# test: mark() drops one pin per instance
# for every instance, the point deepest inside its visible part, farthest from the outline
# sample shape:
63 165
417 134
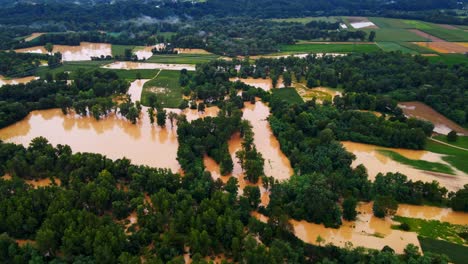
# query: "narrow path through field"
447 144
157 74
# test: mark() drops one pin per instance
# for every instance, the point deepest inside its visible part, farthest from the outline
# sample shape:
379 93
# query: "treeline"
25 64
102 15
210 83
83 217
248 36
90 93
227 36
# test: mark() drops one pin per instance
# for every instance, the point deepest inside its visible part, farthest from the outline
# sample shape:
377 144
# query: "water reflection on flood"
113 136
376 162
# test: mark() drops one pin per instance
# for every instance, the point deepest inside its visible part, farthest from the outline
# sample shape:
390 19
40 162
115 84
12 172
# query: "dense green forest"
18 65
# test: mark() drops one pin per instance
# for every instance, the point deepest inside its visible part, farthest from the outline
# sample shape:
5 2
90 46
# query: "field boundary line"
447 144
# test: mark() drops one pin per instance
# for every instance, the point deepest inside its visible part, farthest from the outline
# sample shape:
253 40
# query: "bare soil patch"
444 47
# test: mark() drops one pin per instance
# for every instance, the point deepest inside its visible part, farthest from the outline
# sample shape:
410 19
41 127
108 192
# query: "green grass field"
288 94
455 35
456 157
119 50
183 58
456 253
166 87
418 164
416 48
328 48
450 59
72 67
400 30
462 141
433 229
394 46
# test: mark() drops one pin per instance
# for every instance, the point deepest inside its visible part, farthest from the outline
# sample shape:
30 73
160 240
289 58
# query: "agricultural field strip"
447 144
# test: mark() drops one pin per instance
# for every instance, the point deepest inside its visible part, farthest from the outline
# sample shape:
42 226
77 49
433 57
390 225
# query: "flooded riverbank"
83 52
264 84
442 124
371 232
277 164
376 162
13 81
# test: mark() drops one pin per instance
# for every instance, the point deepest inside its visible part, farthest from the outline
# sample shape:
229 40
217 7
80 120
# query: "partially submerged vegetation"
56 206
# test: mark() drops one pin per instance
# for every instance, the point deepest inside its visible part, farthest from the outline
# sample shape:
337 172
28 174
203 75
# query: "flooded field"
319 93
442 125
5 81
264 84
130 65
144 53
135 89
83 52
113 136
433 213
376 162
367 231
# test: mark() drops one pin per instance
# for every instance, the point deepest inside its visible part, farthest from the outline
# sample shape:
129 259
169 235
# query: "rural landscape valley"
261 131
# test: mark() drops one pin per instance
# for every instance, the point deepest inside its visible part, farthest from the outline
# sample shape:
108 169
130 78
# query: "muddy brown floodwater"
144 53
376 162
367 231
264 84
276 164
372 232
442 124
113 136
5 81
83 52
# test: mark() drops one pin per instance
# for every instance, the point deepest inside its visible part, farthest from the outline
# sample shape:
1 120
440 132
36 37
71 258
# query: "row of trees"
14 64
90 93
